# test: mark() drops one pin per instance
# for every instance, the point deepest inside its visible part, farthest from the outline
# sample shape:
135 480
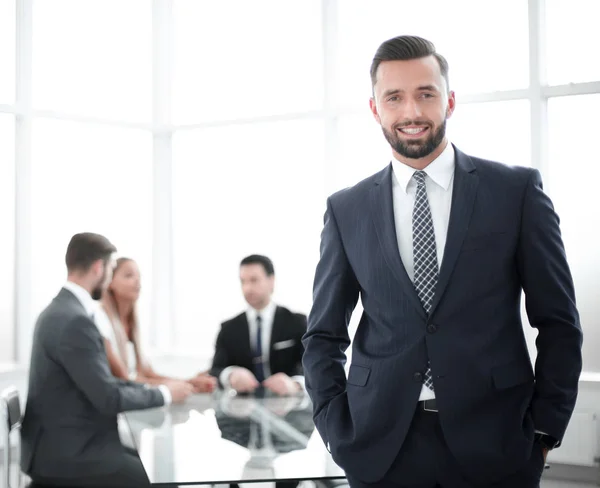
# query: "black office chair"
11 409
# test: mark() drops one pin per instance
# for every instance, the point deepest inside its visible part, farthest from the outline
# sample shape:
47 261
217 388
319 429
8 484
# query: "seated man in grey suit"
69 432
262 346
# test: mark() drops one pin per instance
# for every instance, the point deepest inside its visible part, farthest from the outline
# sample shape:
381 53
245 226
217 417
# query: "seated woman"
117 321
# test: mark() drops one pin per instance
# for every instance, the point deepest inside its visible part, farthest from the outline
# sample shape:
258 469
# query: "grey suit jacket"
70 422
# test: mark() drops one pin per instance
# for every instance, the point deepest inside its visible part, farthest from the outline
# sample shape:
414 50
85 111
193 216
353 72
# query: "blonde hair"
109 303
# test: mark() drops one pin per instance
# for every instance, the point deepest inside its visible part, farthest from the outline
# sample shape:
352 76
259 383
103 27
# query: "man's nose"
412 110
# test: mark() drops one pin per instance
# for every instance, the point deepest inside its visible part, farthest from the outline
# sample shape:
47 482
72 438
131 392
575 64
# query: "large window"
193 133
7 247
499 131
93 58
573 173
89 178
572 41
7 51
482 57
362 149
241 190
237 59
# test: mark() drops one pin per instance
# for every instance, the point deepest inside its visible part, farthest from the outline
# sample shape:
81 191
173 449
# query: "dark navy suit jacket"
503 237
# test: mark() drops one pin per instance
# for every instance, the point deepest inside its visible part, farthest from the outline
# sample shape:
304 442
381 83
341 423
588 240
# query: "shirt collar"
266 313
83 296
440 170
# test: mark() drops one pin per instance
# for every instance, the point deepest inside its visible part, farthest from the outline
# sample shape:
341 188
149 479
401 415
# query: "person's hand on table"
282 384
179 390
243 381
203 383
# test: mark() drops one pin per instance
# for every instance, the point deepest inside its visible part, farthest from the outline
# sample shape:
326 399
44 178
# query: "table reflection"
226 437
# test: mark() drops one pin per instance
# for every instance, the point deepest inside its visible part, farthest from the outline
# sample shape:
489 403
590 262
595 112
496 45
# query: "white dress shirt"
91 307
440 176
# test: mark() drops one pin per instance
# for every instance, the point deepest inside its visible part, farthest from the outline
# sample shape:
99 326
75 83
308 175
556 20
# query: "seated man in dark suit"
261 346
69 435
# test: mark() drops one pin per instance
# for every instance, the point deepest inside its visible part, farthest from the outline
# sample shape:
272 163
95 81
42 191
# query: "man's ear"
373 106
98 267
272 280
451 104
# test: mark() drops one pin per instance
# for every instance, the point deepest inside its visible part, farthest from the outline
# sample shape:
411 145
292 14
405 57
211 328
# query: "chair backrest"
11 407
11 410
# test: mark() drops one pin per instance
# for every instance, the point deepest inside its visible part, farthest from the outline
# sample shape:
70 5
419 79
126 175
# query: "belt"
429 405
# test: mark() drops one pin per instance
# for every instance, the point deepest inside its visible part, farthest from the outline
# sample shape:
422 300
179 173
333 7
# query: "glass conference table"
229 438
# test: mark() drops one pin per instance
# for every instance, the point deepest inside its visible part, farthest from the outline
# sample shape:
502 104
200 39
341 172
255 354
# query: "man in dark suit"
439 246
262 346
69 432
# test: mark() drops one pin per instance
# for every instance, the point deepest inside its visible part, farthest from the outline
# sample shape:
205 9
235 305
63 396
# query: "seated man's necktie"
257 359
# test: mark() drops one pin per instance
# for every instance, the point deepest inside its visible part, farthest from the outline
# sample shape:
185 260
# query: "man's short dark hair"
404 48
264 261
86 248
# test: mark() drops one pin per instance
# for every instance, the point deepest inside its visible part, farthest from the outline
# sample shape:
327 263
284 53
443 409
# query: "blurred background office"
215 129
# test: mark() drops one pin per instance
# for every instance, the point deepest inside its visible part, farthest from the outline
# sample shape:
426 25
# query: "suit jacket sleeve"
84 358
550 303
221 358
335 294
299 348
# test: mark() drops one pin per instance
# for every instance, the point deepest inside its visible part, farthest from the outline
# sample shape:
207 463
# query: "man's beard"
99 288
416 149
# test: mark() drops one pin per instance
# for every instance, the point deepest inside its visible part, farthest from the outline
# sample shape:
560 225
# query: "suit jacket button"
432 328
418 377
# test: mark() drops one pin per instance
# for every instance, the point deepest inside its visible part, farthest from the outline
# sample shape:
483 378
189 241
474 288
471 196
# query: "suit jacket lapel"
277 334
464 191
382 209
275 330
